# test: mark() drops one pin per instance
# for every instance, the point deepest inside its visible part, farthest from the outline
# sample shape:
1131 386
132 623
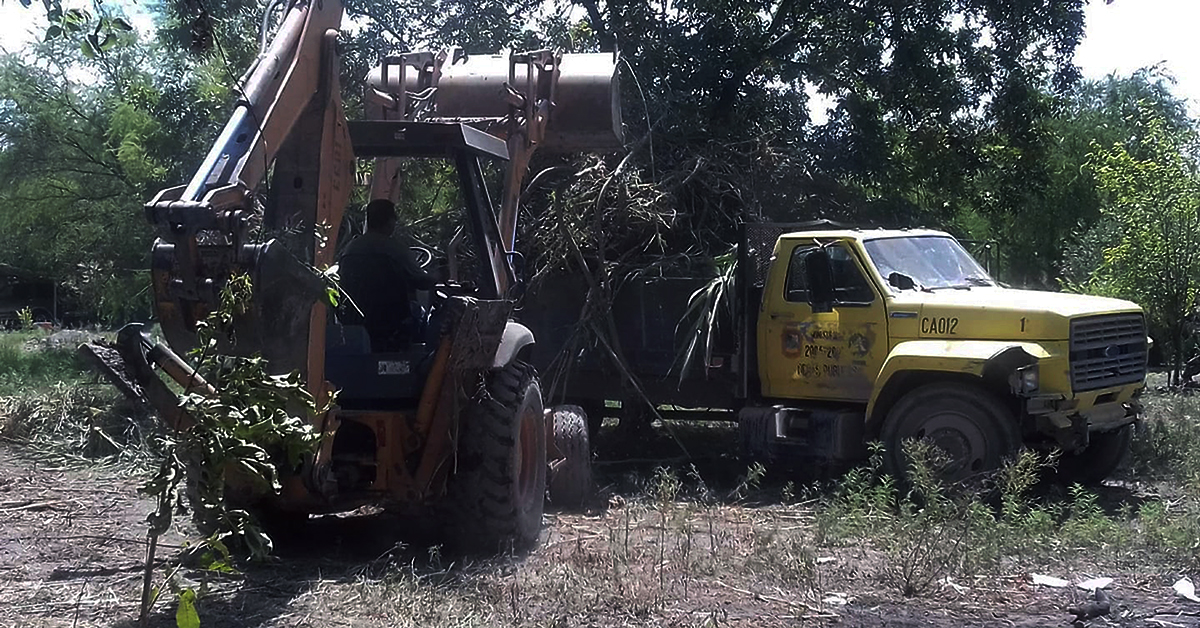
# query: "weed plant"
931 532
1167 447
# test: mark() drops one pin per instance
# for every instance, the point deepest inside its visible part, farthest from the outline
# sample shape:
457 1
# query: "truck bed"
648 314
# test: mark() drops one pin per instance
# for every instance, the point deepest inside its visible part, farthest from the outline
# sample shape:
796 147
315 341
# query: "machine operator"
381 275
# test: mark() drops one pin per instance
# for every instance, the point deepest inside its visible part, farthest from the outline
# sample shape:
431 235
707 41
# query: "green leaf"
185 615
75 19
53 32
120 24
86 48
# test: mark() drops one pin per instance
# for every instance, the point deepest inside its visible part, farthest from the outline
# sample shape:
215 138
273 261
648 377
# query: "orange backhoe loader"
451 421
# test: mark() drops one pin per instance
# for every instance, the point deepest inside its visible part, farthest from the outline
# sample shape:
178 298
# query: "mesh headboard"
758 243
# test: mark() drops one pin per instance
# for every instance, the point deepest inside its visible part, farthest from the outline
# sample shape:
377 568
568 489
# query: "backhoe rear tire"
571 467
498 491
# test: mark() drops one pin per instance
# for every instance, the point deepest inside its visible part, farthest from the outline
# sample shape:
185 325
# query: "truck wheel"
965 421
571 473
595 412
497 493
1098 460
755 432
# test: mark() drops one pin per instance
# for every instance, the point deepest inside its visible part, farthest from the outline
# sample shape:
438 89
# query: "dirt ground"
72 551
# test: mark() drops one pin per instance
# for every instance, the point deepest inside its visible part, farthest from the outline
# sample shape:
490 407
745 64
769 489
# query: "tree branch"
780 44
596 19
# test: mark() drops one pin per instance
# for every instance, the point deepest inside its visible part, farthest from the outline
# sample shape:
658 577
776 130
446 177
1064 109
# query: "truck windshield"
931 261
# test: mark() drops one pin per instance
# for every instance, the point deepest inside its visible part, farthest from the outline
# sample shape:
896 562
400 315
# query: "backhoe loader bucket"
587 113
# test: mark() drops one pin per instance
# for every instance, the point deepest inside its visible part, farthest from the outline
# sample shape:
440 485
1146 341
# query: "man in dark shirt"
381 276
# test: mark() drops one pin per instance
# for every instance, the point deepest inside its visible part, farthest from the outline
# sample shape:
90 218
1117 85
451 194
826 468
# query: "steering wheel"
424 256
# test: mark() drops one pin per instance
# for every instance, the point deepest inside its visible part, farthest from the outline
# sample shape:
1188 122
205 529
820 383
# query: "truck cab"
899 334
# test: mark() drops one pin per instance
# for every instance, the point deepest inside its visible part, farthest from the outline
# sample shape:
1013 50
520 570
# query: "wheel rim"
966 446
527 465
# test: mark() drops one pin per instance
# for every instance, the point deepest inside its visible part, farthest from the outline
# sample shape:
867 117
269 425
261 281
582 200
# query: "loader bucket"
587 112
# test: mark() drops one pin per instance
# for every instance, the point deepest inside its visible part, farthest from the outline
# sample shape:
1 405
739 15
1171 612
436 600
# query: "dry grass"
639 563
55 409
665 547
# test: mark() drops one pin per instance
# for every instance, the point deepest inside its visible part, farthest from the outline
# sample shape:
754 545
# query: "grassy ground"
25 367
703 541
54 407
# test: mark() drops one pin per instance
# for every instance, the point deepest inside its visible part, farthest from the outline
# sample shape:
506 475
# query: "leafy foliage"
962 114
1150 186
254 428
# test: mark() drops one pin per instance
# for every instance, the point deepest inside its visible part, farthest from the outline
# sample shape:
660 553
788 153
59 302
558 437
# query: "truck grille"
1108 350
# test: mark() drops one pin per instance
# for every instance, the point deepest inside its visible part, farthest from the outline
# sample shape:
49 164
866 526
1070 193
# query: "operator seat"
385 298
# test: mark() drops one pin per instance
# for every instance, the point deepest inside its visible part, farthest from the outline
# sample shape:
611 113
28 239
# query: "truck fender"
516 337
916 362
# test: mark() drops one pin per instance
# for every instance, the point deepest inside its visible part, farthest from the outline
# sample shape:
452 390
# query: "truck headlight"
1025 380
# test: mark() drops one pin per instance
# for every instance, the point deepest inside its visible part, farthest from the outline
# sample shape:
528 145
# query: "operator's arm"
419 277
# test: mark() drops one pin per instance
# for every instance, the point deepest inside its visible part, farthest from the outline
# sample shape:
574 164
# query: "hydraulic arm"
288 113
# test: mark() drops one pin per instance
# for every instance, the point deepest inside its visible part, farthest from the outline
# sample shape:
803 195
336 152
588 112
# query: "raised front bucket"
587 113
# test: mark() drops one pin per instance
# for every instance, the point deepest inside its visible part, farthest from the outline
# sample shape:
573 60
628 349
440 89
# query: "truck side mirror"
901 281
819 272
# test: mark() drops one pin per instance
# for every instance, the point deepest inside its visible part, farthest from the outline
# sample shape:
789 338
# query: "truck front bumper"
1061 419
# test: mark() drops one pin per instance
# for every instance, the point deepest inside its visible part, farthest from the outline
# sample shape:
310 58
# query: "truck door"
832 355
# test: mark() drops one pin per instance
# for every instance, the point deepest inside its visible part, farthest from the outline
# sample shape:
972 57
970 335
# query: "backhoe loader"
451 422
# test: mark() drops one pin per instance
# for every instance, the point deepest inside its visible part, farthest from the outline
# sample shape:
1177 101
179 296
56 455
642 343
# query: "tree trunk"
1177 354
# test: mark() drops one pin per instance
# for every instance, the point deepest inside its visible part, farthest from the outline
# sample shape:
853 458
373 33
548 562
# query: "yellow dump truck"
842 336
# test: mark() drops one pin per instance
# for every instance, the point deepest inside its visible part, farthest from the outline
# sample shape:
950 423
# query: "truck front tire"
1098 460
497 494
964 420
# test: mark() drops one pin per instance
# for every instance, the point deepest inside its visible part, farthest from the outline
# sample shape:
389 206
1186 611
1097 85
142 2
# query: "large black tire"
571 464
965 421
1098 460
497 494
755 431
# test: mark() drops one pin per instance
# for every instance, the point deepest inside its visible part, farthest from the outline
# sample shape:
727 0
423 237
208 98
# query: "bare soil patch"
72 548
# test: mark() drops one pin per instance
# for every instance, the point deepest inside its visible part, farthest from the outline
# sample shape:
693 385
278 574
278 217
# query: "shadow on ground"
325 550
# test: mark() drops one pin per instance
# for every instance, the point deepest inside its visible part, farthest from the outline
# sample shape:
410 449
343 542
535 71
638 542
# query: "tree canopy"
968 115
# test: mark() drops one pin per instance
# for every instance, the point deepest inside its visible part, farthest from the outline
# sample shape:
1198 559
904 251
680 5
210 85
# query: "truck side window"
849 285
796 290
